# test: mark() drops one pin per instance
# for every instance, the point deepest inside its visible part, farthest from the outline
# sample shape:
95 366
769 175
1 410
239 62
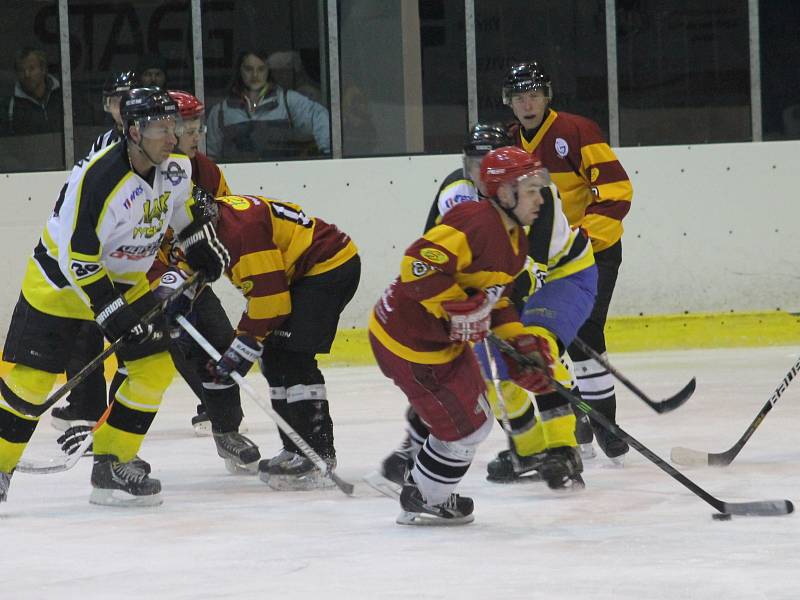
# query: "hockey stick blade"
662 406
763 508
56 465
686 456
758 508
298 441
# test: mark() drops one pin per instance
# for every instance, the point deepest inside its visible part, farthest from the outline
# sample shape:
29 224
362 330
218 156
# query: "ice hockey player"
596 195
454 287
297 273
459 186
91 263
87 401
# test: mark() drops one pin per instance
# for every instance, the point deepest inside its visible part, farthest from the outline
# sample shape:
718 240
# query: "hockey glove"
118 320
470 318
73 437
239 357
170 281
203 250
534 379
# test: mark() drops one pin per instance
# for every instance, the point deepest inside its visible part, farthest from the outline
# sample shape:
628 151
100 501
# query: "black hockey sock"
224 408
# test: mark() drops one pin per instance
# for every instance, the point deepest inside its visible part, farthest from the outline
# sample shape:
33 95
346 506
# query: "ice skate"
561 469
613 447
117 483
456 510
240 454
501 468
290 471
584 435
201 423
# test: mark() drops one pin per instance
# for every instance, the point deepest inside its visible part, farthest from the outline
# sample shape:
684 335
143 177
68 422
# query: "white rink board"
710 229
633 534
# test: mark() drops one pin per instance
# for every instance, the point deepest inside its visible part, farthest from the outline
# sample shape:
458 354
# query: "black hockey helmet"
142 105
484 137
525 76
120 82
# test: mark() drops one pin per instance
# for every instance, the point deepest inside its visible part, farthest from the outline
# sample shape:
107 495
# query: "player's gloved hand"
533 378
73 437
239 357
203 250
470 318
118 320
170 281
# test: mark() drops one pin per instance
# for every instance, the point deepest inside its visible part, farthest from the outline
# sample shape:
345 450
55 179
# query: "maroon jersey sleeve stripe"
614 209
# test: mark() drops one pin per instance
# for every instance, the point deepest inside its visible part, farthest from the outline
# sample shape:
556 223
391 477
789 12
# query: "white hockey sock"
594 382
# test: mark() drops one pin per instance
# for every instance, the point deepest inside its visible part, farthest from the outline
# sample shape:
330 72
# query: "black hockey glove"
203 250
73 437
117 320
239 357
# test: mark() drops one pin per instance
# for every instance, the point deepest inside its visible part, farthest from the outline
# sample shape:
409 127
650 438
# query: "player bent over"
297 274
90 263
453 287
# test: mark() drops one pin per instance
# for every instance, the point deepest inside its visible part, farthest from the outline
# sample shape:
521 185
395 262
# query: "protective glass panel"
31 103
780 66
265 80
684 72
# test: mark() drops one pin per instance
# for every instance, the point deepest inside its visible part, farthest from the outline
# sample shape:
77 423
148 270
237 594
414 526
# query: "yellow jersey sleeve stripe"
452 240
448 354
257 263
269 307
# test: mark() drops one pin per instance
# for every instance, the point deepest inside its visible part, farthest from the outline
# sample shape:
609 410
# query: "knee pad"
148 379
300 392
463 449
516 400
25 389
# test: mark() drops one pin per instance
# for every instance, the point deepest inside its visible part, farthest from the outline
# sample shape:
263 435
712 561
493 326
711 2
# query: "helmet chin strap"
510 210
146 154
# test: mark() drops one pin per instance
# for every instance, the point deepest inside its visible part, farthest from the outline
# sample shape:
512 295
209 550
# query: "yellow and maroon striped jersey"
273 244
595 189
470 250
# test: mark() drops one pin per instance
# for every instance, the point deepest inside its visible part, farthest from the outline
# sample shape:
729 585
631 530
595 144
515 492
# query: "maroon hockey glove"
534 379
470 318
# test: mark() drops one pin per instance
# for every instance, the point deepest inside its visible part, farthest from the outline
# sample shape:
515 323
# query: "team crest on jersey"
82 269
562 147
594 173
246 287
174 173
419 268
153 214
235 202
433 255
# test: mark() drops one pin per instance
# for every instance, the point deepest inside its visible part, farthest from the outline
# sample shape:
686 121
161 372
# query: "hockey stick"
662 406
148 317
757 508
687 456
309 452
64 463
501 404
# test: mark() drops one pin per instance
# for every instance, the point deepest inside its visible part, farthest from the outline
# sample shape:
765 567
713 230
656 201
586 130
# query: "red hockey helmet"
189 106
506 165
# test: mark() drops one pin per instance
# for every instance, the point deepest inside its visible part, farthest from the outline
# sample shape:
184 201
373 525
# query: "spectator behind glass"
152 70
287 71
260 120
35 105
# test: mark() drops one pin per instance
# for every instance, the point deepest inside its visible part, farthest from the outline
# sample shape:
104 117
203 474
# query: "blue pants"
560 306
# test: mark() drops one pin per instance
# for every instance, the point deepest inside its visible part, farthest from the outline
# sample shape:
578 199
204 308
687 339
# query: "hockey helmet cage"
509 165
484 137
189 106
525 76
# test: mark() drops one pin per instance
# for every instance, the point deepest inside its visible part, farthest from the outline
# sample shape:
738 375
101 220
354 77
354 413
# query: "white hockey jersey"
105 230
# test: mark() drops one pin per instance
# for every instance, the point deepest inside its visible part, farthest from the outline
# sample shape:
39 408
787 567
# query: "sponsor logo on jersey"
433 255
419 268
457 199
131 252
594 173
562 147
246 287
174 173
169 278
134 194
235 202
83 269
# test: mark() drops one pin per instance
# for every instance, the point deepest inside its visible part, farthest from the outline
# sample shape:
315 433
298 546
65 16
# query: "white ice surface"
633 533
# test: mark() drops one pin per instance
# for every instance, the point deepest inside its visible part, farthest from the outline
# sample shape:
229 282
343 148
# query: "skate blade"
421 519
587 451
618 462
290 483
236 468
106 497
202 429
572 486
387 487
530 477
